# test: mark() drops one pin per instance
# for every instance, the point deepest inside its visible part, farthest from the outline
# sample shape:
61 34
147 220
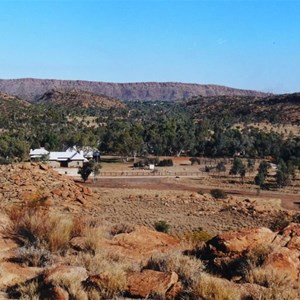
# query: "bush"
278 284
36 225
34 256
218 194
188 268
280 220
139 164
26 290
199 236
213 288
162 226
166 163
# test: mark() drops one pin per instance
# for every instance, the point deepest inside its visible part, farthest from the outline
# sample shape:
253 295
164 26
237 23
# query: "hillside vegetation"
276 109
77 98
202 126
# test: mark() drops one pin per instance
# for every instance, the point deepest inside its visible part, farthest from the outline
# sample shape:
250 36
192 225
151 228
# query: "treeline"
155 128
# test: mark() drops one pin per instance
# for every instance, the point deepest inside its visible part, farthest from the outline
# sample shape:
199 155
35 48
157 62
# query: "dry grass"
103 260
92 237
278 284
29 290
37 226
213 288
72 284
34 256
112 270
197 237
188 268
113 283
112 273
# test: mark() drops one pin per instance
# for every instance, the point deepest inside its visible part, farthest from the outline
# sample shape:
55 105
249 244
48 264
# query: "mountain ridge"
31 89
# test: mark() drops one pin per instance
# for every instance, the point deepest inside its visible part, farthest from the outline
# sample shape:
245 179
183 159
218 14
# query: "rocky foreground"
53 247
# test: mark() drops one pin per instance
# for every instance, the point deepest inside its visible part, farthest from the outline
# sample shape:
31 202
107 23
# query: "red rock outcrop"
237 242
38 182
283 252
149 282
140 244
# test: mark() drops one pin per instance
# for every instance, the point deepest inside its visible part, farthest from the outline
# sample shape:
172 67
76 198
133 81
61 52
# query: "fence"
145 174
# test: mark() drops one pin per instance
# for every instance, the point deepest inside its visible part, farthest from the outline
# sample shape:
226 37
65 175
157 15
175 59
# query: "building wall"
71 164
75 164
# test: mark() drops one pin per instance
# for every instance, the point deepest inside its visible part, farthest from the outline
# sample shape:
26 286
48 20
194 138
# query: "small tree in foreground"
87 168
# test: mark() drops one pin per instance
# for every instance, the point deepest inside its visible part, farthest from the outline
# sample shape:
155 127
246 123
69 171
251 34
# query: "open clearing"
185 202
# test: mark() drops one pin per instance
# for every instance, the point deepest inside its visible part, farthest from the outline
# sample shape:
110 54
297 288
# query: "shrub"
218 194
280 220
162 226
188 268
71 284
34 256
113 273
198 236
92 236
278 284
27 290
213 288
36 225
139 164
166 163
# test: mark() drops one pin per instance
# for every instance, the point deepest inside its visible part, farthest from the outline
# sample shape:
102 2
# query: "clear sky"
250 44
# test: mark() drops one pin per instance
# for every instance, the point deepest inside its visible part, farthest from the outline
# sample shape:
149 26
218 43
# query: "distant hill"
33 89
77 98
274 108
8 102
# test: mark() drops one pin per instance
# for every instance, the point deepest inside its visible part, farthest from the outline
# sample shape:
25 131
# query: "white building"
69 158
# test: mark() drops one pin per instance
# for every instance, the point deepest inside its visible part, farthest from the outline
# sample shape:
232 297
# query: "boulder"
289 237
285 260
140 244
150 282
58 274
239 241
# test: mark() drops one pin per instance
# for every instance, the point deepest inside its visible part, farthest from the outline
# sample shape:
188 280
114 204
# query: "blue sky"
240 43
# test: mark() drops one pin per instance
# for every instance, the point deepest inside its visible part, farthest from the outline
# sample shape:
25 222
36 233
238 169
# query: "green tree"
250 164
259 179
221 167
262 174
285 172
238 168
86 170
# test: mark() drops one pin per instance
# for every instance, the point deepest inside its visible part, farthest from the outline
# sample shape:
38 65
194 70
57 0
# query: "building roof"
38 152
68 155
